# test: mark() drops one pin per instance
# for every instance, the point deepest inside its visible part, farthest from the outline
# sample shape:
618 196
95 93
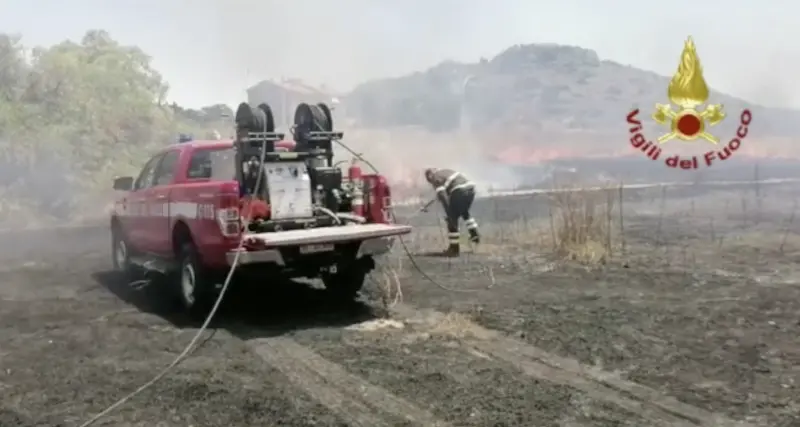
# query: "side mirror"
123 183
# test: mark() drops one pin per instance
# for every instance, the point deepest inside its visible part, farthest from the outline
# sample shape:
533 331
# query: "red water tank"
379 199
356 177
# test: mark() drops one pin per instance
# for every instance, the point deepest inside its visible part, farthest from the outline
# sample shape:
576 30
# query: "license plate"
313 249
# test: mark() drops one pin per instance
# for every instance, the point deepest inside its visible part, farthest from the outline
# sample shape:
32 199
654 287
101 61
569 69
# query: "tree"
72 116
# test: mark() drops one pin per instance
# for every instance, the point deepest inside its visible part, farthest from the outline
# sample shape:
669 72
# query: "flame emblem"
688 90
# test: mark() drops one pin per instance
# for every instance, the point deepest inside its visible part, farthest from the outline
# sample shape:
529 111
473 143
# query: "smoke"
211 51
43 186
345 43
402 154
340 44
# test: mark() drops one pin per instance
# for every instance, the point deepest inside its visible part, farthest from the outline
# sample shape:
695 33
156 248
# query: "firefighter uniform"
456 193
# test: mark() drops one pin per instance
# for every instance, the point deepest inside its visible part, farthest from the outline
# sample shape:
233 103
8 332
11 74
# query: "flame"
688 88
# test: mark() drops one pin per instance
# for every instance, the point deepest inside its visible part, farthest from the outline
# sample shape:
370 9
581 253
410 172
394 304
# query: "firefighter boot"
472 227
453 250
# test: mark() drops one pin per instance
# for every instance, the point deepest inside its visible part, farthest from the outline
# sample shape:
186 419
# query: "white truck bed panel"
289 189
330 234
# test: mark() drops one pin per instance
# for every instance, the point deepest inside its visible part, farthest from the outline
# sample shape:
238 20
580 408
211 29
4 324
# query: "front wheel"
121 254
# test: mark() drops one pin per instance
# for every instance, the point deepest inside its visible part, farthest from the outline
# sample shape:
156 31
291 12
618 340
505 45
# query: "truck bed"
330 234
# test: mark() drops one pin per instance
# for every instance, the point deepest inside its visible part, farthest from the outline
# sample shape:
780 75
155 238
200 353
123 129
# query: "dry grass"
667 228
581 223
581 227
584 225
457 325
391 290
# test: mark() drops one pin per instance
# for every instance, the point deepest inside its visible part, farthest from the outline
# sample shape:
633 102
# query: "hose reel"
255 137
312 118
254 120
313 130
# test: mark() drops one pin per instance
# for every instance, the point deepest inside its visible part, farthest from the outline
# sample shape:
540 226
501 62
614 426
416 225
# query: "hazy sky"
210 51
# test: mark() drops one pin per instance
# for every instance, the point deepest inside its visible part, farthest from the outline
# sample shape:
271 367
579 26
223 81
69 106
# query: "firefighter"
456 193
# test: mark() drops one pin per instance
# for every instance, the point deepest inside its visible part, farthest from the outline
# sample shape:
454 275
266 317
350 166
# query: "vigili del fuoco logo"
689 122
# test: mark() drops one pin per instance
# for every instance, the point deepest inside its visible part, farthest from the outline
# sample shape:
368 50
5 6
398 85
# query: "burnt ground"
694 323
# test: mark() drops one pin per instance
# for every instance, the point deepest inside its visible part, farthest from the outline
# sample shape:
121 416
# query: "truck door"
157 230
138 210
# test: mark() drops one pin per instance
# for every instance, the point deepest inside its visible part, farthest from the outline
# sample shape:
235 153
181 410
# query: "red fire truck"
267 204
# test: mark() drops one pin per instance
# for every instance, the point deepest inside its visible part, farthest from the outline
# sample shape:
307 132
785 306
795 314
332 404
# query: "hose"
329 213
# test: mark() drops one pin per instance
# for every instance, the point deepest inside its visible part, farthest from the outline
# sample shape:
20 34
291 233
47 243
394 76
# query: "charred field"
648 307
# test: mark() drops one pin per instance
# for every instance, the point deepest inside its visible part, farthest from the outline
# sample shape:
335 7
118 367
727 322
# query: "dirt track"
696 324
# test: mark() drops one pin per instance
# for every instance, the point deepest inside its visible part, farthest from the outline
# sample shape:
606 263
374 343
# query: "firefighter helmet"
429 174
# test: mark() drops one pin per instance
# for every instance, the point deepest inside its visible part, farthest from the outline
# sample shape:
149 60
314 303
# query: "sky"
211 51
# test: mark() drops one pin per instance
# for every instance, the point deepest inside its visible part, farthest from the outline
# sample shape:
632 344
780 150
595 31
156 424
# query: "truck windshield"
214 164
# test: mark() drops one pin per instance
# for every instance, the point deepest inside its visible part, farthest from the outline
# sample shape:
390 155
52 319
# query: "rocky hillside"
537 87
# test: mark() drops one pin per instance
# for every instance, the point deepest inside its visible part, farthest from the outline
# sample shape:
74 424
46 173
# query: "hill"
535 87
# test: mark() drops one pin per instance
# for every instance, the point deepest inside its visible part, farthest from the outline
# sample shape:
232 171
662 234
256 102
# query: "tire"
121 255
345 285
194 283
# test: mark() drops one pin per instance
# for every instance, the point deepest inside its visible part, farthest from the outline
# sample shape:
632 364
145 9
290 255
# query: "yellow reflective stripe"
467 184
450 179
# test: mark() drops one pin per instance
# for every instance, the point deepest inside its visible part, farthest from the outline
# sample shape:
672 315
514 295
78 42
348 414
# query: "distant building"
284 96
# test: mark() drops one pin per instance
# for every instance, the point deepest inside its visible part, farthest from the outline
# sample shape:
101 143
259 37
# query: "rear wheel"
345 284
195 283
